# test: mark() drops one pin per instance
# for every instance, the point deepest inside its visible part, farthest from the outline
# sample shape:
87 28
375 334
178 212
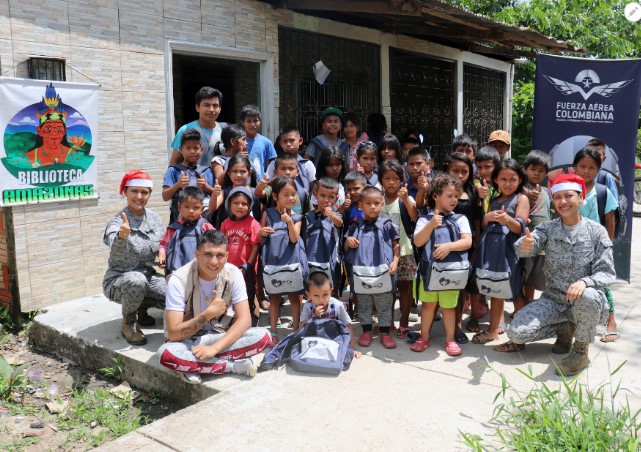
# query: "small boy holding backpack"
373 250
188 173
444 268
178 245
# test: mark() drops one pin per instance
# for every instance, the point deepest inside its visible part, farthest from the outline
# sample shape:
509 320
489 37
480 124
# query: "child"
354 182
400 208
389 148
234 141
367 154
290 141
442 197
259 148
283 246
330 126
465 144
351 135
419 174
372 244
459 166
510 209
536 167
243 239
178 245
321 305
239 174
486 160
500 140
604 177
188 173
322 238
408 143
587 164
286 165
331 163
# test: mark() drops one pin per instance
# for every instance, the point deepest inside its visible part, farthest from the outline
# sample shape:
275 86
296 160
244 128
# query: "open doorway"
238 80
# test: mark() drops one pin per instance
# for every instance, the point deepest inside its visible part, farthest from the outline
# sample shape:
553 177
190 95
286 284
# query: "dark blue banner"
577 99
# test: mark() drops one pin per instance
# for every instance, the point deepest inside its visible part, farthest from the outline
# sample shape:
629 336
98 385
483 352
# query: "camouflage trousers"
131 289
539 319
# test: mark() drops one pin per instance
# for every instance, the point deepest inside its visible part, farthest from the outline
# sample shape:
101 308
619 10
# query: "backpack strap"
601 177
601 199
406 220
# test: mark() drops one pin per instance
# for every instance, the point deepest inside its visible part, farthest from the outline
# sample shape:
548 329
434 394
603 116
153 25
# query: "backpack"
174 213
371 260
452 272
321 245
496 261
285 267
221 213
620 221
321 346
343 147
183 244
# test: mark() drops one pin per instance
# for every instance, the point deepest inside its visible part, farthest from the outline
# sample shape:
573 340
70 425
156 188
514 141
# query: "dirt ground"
26 423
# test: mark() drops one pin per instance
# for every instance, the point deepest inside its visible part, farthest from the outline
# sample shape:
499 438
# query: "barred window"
47 69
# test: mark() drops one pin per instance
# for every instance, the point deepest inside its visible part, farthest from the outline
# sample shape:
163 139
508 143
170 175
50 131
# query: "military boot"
564 334
144 319
130 330
576 361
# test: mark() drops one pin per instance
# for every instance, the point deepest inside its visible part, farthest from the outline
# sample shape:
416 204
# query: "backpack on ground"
496 260
285 267
370 262
452 272
183 244
321 346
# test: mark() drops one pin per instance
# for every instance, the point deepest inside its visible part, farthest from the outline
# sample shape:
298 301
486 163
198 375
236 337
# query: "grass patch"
569 416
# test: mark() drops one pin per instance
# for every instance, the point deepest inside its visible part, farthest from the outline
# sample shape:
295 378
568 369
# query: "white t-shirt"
175 298
462 223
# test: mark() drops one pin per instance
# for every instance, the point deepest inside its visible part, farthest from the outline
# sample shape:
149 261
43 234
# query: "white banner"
48 152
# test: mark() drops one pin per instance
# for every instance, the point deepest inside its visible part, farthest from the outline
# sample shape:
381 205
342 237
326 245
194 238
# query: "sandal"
473 326
611 336
420 345
502 327
483 338
460 337
452 349
509 347
402 331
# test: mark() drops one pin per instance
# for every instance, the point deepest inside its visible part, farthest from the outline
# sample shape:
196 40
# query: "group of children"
369 215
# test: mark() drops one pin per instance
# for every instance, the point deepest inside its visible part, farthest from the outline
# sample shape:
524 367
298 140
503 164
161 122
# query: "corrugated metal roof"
434 21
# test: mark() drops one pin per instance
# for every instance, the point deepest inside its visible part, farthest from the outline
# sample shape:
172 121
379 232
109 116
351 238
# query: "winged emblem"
605 90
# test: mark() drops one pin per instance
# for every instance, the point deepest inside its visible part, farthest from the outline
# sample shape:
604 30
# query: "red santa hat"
136 178
569 182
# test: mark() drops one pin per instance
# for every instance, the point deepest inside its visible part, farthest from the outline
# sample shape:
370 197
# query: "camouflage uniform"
128 279
583 254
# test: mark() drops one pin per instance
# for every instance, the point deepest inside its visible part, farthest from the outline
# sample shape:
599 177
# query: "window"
46 69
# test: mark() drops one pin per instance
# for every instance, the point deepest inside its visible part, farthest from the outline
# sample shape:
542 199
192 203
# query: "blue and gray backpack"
182 246
321 245
370 262
452 272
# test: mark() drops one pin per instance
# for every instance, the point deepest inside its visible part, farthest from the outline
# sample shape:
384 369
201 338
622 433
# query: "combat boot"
130 330
576 361
144 319
564 335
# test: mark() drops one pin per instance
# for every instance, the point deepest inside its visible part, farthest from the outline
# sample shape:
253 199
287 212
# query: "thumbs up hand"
263 182
437 220
403 193
125 229
184 180
482 189
422 181
201 182
527 242
217 190
533 195
501 217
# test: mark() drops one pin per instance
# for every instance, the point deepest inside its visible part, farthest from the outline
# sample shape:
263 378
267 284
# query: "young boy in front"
321 305
178 245
189 173
290 141
259 148
536 167
377 237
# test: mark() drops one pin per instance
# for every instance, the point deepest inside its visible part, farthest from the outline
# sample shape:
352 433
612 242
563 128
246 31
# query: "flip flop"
612 334
509 347
460 337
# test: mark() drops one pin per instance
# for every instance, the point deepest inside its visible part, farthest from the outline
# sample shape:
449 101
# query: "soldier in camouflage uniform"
578 266
134 238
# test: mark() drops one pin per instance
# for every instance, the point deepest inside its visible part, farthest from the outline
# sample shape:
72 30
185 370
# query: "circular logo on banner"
632 11
48 143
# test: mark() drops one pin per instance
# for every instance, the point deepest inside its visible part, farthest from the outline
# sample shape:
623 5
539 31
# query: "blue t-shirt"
591 209
609 182
260 151
208 140
173 174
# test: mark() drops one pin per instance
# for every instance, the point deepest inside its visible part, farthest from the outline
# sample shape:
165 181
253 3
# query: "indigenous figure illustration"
51 147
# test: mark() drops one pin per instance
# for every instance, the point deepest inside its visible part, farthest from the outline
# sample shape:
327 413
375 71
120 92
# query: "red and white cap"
569 182
136 178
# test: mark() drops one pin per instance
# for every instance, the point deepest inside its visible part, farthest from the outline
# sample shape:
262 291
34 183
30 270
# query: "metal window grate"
483 97
47 69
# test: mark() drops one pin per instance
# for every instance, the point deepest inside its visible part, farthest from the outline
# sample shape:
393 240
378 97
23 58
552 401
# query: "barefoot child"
442 197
